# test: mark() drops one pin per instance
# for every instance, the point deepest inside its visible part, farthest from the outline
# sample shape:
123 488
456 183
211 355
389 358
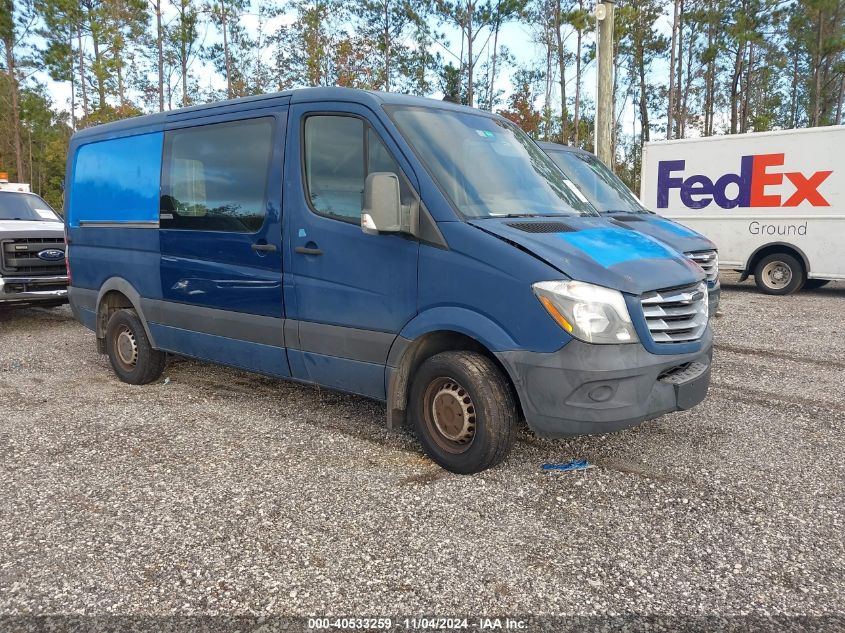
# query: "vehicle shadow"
833 289
12 316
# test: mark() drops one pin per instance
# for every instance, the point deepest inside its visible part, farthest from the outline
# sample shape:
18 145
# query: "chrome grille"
709 261
676 315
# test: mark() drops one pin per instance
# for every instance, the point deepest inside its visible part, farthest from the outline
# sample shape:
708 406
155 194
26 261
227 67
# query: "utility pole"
604 92
670 111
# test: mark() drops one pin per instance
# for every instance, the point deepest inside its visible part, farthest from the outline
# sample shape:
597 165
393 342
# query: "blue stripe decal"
116 180
613 246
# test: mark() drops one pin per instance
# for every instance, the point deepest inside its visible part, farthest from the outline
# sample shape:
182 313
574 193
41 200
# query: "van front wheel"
779 274
132 357
463 411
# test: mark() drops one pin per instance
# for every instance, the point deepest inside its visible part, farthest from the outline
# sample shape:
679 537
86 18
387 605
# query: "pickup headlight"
590 313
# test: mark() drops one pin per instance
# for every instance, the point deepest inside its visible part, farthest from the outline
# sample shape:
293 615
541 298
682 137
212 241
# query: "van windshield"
487 167
25 206
604 189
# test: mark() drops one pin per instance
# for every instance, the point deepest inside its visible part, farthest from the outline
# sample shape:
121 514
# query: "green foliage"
45 134
521 104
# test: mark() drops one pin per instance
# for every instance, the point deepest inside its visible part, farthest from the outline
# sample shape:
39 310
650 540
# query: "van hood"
675 235
597 251
30 228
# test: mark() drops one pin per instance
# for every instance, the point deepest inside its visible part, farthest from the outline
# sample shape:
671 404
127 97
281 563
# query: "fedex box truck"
773 202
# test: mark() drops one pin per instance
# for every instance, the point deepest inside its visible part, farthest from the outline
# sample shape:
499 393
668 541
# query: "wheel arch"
422 339
774 247
115 294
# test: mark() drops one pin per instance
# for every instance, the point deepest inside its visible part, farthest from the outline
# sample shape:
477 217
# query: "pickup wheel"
779 274
132 357
463 411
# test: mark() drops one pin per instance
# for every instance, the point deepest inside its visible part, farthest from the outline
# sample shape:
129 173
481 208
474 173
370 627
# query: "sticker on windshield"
575 190
485 133
46 213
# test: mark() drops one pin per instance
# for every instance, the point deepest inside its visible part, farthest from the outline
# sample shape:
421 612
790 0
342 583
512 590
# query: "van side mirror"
382 211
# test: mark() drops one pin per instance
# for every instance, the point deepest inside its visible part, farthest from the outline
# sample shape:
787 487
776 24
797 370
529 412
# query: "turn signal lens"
556 315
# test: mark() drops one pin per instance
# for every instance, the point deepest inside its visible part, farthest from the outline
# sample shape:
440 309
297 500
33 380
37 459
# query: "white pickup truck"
32 249
773 202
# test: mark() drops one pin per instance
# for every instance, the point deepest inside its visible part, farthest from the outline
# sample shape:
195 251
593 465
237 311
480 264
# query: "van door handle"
308 251
264 248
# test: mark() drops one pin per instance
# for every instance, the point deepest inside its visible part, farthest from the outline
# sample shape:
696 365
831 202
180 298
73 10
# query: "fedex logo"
698 191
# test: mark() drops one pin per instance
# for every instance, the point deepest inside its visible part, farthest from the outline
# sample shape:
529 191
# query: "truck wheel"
815 284
132 357
463 411
779 274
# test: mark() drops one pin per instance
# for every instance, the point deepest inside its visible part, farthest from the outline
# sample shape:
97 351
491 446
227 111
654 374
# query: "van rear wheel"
132 356
779 274
463 411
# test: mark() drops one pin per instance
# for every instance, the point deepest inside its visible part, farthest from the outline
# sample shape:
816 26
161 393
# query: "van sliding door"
221 248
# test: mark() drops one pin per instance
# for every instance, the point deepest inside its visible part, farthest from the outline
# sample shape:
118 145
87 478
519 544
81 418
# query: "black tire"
779 274
463 411
132 357
815 284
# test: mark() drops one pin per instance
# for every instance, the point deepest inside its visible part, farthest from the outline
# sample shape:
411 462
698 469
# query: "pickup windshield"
487 167
604 189
25 206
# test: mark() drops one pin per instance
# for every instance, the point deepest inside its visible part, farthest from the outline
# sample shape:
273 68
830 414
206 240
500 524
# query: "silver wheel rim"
777 275
449 414
127 347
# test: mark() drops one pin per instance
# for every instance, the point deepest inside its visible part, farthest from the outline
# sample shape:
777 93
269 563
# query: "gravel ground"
222 492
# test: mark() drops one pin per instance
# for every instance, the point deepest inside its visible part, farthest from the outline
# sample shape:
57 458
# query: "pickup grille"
676 315
709 261
19 257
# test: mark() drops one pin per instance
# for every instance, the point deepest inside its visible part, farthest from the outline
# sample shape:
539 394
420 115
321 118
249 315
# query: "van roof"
303 95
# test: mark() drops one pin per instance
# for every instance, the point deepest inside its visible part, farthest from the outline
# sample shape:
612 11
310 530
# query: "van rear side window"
214 177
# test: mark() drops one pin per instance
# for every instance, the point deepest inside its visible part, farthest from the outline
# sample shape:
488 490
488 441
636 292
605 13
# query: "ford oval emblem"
51 254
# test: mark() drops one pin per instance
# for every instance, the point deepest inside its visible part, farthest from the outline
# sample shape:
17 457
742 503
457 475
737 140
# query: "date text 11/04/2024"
422 623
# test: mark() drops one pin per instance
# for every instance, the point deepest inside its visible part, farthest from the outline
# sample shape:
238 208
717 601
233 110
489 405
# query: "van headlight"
590 313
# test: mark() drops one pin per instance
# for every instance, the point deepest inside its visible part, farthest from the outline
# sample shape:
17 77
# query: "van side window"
378 158
340 151
334 164
214 177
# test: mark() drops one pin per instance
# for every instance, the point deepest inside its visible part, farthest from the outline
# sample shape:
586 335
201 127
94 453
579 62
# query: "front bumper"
15 290
583 388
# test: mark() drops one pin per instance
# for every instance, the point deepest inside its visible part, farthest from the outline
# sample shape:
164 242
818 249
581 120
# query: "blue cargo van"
413 251
612 198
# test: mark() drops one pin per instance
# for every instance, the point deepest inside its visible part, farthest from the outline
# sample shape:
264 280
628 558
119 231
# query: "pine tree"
17 22
182 42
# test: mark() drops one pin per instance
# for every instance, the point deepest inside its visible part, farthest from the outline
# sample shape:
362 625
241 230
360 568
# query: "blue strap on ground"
575 464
